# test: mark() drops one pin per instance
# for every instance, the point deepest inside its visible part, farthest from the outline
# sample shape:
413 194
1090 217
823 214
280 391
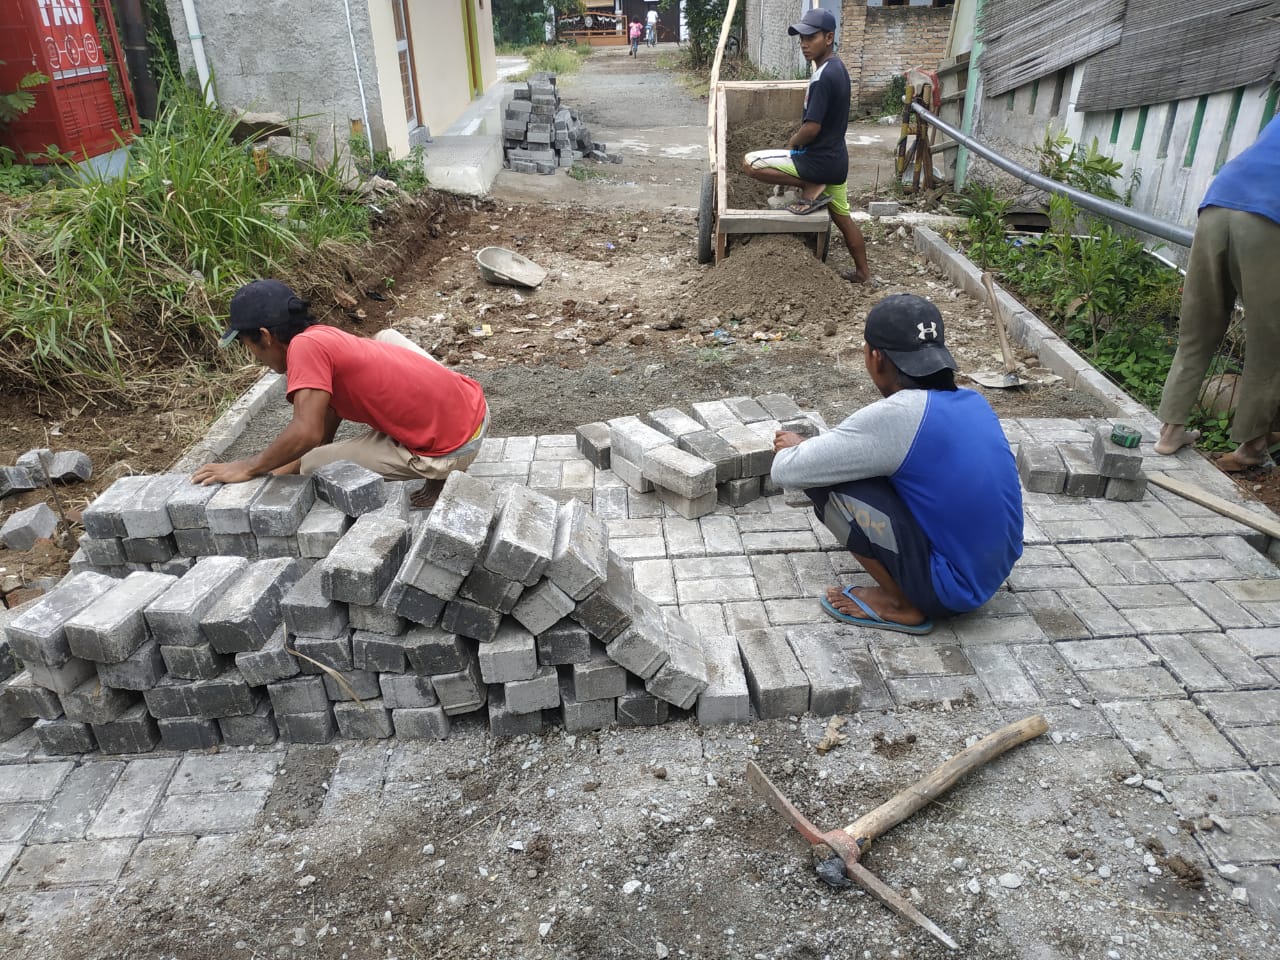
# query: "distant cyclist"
651 29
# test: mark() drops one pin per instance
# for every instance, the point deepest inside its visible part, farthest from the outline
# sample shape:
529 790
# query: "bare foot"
1238 461
880 603
1175 436
426 495
854 276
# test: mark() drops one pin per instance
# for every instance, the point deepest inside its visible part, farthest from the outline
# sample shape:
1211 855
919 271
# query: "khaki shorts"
781 161
378 452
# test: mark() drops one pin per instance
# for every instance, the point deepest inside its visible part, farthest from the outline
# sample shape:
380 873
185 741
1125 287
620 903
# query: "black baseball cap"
262 303
815 20
908 329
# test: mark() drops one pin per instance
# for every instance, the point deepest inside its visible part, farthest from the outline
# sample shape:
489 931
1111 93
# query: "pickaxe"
848 845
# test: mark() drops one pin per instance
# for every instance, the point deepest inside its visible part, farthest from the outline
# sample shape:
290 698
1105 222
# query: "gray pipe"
1114 211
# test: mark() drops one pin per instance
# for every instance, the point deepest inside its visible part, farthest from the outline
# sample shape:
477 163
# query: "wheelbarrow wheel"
706 219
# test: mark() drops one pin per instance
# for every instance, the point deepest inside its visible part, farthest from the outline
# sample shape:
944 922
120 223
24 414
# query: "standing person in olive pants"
1236 253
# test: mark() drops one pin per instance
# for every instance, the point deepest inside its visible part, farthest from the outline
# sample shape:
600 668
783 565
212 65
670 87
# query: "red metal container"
86 108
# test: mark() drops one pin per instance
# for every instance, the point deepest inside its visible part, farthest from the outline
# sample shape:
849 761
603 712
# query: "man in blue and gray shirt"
921 486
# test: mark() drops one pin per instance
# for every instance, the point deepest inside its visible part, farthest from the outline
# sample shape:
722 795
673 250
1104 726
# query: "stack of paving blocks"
308 607
33 469
539 135
721 454
1098 469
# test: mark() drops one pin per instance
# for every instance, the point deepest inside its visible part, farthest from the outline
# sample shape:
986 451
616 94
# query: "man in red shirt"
424 419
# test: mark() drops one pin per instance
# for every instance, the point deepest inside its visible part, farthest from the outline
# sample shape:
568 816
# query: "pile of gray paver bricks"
1098 469
721 454
33 469
539 135
309 607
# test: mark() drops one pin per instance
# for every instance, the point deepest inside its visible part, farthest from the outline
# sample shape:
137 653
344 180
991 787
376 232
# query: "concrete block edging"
227 429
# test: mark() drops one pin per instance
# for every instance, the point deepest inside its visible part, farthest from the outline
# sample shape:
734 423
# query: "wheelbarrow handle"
902 805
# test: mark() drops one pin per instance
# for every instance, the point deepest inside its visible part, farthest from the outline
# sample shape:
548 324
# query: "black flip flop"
803 207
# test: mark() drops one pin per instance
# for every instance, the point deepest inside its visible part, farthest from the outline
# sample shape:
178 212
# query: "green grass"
560 59
106 283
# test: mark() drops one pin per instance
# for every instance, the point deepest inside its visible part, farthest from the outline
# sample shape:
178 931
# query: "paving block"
361 567
63 678
690 509
320 530
280 507
683 676
492 590
247 614
195 543
227 511
38 634
673 422
539 692
563 643
334 653
196 662
461 691
188 503
1113 460
1126 491
523 538
512 655
1083 478
93 702
112 627
433 651
711 447
410 604
883 208
637 707
606 612
189 733
227 695
726 698
642 646
778 685
599 677
171 697
355 685
738 493
748 410
272 663
679 471
630 438
593 442
15 480
834 684
424 575
471 620
580 716
377 653
146 514
801 426
542 606
64 738
298 695
351 488
779 406
755 451
141 670
103 553
715 415
580 556
632 474
504 722
103 517
30 700
33 462
257 729
149 550
134 731
370 720
377 618
421 723
407 691
318 727
25 527
236 545
177 567
1041 468
458 526
307 612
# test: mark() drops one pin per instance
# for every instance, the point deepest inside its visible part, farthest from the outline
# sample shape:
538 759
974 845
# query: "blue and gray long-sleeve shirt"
946 456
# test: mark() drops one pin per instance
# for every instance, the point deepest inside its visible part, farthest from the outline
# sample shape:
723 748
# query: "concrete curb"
227 429
1031 332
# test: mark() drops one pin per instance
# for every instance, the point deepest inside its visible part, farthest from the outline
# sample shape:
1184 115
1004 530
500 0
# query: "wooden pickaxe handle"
901 806
997 314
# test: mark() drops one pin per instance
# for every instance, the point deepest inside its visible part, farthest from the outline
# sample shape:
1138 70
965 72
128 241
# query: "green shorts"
781 161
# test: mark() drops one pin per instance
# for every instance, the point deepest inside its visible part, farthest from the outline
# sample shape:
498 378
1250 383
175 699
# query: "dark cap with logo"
908 329
815 20
262 303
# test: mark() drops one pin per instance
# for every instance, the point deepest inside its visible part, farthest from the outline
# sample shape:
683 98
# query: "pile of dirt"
767 134
771 283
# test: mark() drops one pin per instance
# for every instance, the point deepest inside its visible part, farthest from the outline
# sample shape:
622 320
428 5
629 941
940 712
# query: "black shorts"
871 520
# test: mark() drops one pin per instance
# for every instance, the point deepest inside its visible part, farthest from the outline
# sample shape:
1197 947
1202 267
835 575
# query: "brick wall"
878 43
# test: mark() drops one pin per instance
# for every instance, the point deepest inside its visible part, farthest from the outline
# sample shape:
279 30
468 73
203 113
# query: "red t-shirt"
417 402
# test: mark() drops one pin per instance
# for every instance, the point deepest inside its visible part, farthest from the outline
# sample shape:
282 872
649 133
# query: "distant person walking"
1235 254
637 31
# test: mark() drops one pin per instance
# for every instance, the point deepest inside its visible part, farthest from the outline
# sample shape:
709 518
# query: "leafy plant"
704 19
14 104
560 59
409 172
519 22
1089 169
891 104
985 232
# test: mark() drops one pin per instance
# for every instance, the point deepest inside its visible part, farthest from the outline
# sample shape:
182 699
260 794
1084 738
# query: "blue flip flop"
871 620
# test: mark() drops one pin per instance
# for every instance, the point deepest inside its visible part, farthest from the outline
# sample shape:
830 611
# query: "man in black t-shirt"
816 159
